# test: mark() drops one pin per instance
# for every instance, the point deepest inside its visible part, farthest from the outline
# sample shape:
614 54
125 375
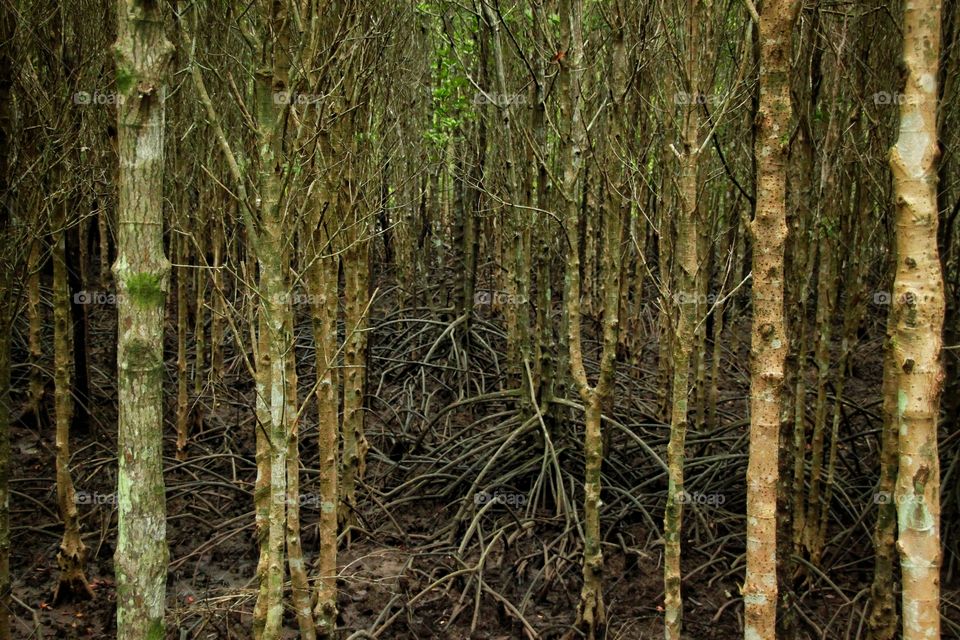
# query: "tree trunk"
324 276
183 400
768 339
35 316
356 294
6 323
72 557
142 273
882 623
685 307
516 224
917 314
591 613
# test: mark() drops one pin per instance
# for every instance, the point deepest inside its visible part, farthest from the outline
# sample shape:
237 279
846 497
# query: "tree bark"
917 314
72 557
324 276
768 339
142 274
591 613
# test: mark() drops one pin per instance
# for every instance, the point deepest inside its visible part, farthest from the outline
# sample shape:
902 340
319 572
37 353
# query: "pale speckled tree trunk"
142 273
275 371
268 225
917 318
768 341
274 306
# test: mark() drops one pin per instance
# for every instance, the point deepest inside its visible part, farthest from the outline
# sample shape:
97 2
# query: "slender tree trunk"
275 308
8 133
826 287
882 622
516 225
917 315
271 242
183 400
200 310
300 586
261 487
685 304
324 276
72 558
142 274
591 613
768 342
35 318
103 234
216 316
6 322
356 303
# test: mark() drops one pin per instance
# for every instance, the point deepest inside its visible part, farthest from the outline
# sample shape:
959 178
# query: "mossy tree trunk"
142 273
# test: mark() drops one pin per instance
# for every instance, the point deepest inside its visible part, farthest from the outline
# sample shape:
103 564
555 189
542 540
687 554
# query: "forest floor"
425 561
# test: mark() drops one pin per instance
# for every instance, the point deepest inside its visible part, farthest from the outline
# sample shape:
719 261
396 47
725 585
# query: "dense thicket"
559 318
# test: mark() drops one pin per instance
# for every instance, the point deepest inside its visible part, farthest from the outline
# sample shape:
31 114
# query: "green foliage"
450 105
